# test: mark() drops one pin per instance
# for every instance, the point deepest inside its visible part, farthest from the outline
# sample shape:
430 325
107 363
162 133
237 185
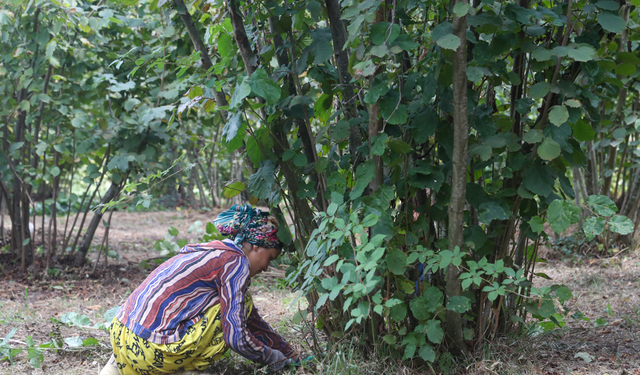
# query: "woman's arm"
233 279
263 332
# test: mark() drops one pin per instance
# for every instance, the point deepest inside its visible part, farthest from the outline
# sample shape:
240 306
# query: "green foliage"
365 140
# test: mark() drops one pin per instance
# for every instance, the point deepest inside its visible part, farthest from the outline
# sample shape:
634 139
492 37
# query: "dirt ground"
606 291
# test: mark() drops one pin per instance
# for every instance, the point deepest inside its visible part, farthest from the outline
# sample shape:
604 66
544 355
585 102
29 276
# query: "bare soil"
607 288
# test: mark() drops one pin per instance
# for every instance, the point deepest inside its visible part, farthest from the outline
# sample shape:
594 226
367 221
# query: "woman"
195 306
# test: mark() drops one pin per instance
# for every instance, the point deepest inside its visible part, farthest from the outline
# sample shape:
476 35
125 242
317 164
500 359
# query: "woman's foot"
111 368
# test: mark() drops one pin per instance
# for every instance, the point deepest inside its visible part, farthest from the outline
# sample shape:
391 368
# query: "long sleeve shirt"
176 294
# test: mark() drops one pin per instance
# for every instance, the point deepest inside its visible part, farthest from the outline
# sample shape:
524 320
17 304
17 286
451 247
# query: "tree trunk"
91 230
453 324
339 35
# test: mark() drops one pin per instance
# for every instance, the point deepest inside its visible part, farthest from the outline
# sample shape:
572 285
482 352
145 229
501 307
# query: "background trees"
418 149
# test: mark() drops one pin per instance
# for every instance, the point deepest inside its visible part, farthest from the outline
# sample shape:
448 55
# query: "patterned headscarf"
244 223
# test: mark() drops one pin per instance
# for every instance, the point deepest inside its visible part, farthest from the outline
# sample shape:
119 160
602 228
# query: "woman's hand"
277 361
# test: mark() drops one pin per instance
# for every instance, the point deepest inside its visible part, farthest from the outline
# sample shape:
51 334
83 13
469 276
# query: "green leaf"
424 125
426 353
537 224
225 45
260 183
573 103
563 293
475 74
593 226
300 160
55 171
173 231
489 211
130 103
322 52
232 189
621 224
583 53
264 86
396 261
409 351
379 87
243 89
321 164
549 149
314 9
459 304
379 144
625 69
232 126
364 174
370 220
533 136
449 41
383 32
608 5
398 312
51 48
90 342
558 115
399 147
611 22
561 214
74 341
461 9
392 111
546 308
541 54
582 131
539 90
16 146
433 331
588 358
423 306
602 205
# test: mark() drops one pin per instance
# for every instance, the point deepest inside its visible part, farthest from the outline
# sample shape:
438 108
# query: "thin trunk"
196 39
579 193
339 35
619 115
84 216
105 239
1 214
591 172
249 58
632 196
554 79
453 324
91 230
212 165
73 168
375 123
53 235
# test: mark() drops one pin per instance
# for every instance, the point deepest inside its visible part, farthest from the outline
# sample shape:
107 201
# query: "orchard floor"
606 291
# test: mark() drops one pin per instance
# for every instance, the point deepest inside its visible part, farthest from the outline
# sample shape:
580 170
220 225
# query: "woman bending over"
195 306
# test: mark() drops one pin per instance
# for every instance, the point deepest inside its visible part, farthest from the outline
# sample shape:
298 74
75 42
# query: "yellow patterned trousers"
202 345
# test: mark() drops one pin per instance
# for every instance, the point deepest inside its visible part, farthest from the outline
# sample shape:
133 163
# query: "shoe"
111 368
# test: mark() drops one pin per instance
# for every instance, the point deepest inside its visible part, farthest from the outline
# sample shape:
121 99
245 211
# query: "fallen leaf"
94 307
606 331
585 356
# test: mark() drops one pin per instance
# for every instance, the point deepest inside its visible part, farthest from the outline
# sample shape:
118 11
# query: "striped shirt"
176 294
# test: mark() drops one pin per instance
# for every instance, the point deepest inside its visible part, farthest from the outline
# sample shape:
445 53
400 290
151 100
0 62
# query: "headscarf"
247 224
